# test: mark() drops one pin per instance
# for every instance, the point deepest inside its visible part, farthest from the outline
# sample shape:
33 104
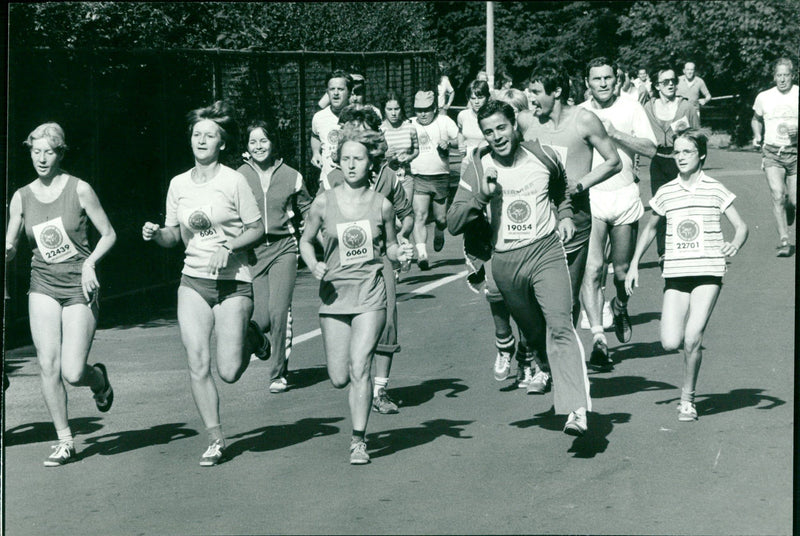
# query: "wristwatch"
579 188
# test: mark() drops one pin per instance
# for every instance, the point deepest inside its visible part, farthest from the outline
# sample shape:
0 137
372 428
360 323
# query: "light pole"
490 43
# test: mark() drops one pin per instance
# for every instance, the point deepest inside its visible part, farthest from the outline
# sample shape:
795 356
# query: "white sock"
421 251
598 334
379 383
65 435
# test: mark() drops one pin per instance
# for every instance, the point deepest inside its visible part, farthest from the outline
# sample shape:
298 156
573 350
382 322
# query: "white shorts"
617 207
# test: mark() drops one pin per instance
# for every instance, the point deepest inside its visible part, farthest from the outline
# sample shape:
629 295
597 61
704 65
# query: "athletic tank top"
576 154
57 231
352 252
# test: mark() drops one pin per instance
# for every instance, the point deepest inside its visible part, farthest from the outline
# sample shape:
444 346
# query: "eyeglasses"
668 81
676 154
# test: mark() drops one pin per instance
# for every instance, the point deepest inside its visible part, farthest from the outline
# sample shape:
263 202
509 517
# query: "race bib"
355 242
688 236
425 144
53 242
679 124
519 217
199 221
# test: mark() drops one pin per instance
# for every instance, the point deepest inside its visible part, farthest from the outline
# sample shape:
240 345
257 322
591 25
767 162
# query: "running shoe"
383 404
576 423
524 375
278 386
784 249
599 359
540 383
423 264
622 322
686 411
358 453
63 452
258 341
438 238
502 364
213 454
105 397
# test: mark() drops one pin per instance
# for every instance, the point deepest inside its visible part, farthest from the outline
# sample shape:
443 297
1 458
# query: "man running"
325 123
693 87
574 133
528 260
615 203
774 124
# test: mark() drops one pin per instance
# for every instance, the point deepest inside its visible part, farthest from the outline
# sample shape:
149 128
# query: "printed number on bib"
355 242
519 217
199 221
688 236
53 242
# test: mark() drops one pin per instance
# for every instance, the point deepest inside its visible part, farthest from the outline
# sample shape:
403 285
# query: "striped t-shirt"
398 139
694 234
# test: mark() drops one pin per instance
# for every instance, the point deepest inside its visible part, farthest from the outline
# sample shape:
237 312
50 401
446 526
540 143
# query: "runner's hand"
316 161
406 252
149 231
728 249
565 229
632 279
489 182
319 270
219 260
89 281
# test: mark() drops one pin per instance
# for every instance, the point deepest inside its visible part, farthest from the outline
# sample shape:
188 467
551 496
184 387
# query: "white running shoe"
540 383
502 365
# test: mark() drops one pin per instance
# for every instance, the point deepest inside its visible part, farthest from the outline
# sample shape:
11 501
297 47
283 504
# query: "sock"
597 334
65 435
622 295
687 396
504 344
215 434
378 384
358 435
421 251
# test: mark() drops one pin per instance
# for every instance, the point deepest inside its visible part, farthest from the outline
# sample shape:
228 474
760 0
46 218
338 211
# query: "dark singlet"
576 154
353 247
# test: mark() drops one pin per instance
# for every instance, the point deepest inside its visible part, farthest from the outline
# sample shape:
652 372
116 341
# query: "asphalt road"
466 454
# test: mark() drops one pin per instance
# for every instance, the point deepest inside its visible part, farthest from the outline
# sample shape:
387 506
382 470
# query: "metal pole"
490 42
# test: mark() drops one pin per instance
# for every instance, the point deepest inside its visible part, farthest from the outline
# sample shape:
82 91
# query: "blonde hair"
516 98
372 140
52 132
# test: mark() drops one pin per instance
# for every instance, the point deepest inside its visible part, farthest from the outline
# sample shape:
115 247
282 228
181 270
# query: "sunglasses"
668 81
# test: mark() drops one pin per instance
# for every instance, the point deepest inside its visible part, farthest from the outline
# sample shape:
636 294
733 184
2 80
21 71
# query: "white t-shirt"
779 111
467 121
429 161
443 90
325 126
209 215
627 116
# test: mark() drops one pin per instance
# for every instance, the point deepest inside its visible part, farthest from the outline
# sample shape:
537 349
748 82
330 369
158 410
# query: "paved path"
466 454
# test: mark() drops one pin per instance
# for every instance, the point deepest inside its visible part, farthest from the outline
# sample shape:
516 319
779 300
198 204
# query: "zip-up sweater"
286 192
386 183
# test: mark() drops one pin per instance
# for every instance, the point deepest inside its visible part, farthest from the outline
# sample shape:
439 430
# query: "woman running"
694 261
357 223
280 192
469 132
401 140
213 211
54 210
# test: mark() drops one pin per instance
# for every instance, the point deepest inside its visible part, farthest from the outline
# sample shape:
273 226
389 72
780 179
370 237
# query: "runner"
356 224
692 87
212 209
669 115
444 90
616 205
695 256
575 133
324 124
401 139
54 211
774 124
528 260
431 170
280 193
384 181
469 133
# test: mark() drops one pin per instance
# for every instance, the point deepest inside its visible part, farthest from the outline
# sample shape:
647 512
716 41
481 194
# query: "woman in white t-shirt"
469 132
214 212
444 91
695 258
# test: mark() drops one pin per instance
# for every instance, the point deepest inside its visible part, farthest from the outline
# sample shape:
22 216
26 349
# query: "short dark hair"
479 87
494 106
658 72
700 140
599 62
338 73
363 114
552 79
267 128
392 95
220 113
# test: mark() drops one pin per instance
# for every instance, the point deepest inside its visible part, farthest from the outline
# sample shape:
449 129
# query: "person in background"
444 90
693 87
401 140
469 133
325 123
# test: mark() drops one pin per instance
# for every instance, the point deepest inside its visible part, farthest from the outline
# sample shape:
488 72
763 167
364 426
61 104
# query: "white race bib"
53 242
679 124
199 221
355 242
688 236
519 217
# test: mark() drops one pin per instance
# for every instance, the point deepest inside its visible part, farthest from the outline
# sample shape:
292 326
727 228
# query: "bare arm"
15 225
740 235
316 151
706 95
646 236
593 131
757 124
638 145
91 204
313 226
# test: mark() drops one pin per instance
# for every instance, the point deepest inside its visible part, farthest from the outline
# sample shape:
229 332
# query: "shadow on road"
416 395
392 441
449 262
281 436
300 378
119 442
736 399
421 278
602 387
36 432
638 350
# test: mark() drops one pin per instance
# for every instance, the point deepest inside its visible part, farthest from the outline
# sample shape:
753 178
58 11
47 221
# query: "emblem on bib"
199 221
688 236
355 242
51 236
519 211
53 242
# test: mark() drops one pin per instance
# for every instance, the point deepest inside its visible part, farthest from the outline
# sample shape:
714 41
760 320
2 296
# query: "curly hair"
52 132
220 113
371 139
358 113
